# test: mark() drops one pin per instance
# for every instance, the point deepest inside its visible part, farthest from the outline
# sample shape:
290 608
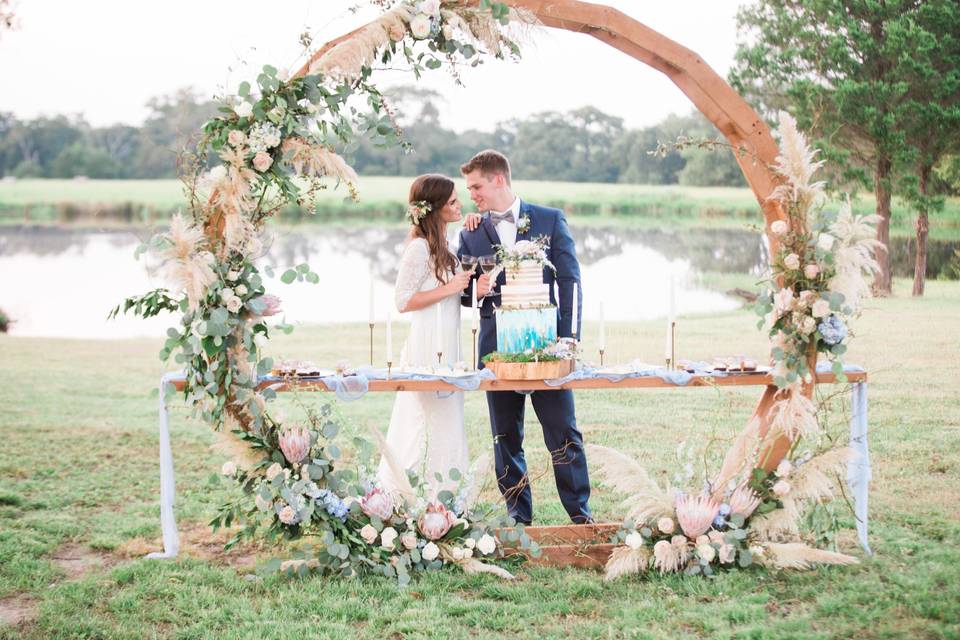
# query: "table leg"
858 470
168 490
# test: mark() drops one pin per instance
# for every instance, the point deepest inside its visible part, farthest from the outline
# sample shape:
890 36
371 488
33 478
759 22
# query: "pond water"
62 282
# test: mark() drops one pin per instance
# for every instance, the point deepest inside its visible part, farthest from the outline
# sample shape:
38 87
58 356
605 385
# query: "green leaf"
264 366
303 268
312 278
244 89
288 276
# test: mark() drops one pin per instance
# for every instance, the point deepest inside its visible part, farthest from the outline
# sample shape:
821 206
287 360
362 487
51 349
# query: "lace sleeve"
414 268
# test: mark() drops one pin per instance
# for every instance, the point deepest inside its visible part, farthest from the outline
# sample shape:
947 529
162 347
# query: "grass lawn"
79 491
383 199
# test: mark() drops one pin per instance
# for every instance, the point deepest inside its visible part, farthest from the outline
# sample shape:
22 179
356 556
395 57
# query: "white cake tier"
515 296
526 273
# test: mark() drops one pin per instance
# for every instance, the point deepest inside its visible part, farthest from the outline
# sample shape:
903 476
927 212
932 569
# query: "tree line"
582 145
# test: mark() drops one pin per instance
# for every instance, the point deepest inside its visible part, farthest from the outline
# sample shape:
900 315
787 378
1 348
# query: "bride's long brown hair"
435 190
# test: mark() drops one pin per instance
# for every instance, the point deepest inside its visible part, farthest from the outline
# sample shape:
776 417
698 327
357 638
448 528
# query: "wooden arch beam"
713 97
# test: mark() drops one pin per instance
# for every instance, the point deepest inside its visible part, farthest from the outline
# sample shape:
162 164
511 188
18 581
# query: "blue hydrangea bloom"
333 504
719 521
833 330
724 509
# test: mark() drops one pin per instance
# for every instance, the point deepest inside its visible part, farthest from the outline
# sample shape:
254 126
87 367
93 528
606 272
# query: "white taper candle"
573 313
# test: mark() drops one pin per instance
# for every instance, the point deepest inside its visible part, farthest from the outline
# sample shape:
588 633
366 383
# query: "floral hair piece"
417 210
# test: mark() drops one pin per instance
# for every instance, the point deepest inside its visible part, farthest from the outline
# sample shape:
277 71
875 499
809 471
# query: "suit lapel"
525 212
490 230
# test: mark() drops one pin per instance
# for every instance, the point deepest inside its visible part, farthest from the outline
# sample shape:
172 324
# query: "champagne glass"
469 263
487 265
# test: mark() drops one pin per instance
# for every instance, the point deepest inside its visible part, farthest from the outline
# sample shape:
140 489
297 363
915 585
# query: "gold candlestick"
371 344
439 358
601 357
389 369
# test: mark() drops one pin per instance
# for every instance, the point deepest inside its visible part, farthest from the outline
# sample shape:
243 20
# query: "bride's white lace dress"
426 431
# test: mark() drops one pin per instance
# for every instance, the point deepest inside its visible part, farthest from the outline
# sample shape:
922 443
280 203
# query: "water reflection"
62 282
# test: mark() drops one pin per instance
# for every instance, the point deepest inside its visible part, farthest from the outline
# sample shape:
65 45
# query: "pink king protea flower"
295 444
743 501
377 503
696 513
436 521
272 303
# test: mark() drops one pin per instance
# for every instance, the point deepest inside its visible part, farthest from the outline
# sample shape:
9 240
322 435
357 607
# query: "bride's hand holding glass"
459 282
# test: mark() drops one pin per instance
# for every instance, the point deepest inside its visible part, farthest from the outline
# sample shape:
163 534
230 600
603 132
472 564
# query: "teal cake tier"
522 329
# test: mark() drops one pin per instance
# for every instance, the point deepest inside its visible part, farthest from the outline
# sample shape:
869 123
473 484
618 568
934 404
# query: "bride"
426 433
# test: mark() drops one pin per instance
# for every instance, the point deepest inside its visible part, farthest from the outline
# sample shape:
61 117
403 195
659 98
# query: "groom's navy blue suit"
554 409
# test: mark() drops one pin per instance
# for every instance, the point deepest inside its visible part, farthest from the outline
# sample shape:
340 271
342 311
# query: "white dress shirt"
508 230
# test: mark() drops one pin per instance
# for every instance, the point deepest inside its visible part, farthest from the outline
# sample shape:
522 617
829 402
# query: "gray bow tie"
501 217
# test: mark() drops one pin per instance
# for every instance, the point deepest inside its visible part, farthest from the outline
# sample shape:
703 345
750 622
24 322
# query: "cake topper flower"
417 210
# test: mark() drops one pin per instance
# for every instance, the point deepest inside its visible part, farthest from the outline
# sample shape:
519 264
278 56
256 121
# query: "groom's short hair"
489 162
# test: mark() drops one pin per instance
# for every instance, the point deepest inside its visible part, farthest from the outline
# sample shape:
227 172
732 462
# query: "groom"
488 180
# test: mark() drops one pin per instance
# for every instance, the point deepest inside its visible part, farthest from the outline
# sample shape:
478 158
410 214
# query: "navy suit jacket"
544 221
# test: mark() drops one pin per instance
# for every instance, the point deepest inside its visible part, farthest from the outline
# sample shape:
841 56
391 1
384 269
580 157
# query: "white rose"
244 109
274 470
468 553
470 543
825 241
234 304
784 468
226 293
229 468
240 290
707 552
779 227
236 137
487 544
665 525
430 552
262 504
387 537
447 32
808 326
233 275
368 533
634 540
262 161
781 488
420 26
431 7
457 553
408 540
282 74
791 262
821 308
727 553
811 271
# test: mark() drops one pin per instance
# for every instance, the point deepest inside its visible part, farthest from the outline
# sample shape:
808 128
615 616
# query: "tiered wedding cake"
525 319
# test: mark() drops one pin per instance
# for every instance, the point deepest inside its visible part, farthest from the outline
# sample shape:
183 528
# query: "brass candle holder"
601 357
439 358
389 369
371 344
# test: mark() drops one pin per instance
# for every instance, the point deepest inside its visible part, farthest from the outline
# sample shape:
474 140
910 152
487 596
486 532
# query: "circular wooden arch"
714 98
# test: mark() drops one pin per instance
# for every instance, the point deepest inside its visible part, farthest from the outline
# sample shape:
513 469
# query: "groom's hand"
483 286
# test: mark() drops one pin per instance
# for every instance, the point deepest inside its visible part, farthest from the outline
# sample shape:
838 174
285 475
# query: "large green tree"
835 65
930 116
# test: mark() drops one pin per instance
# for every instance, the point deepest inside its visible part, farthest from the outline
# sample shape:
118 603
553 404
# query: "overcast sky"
105 58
